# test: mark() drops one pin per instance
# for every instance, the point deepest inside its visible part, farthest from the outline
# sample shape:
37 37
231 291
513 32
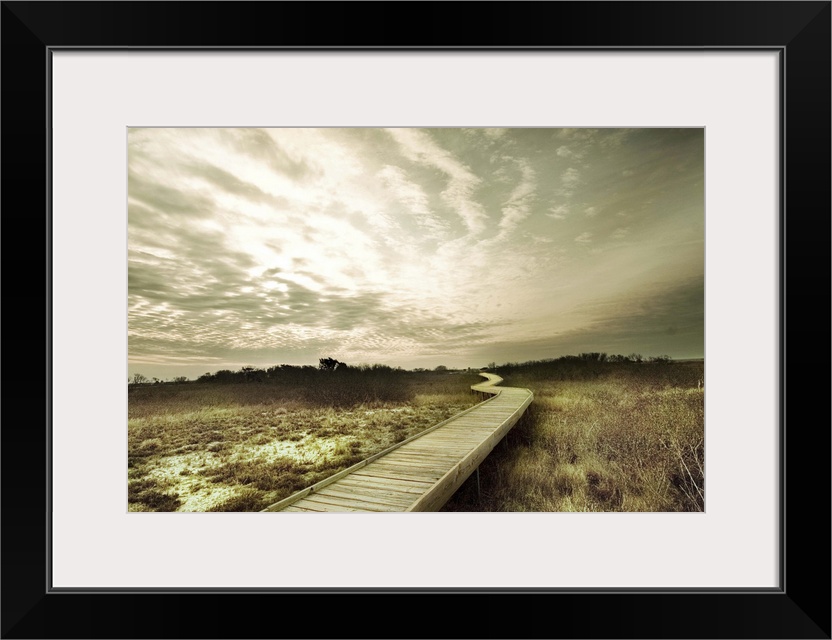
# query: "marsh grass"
625 438
241 447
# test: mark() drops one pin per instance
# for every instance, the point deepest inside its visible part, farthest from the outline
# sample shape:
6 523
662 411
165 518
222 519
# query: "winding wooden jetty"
422 472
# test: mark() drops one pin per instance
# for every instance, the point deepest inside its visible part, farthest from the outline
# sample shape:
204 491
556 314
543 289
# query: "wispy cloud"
577 134
518 206
570 180
412 195
494 133
571 177
584 238
558 212
613 138
418 146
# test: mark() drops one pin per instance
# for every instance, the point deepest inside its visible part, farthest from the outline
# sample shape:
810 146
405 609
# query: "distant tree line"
331 383
140 378
566 366
592 356
577 367
633 357
285 372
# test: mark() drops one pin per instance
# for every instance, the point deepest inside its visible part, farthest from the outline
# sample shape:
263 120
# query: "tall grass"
624 438
301 389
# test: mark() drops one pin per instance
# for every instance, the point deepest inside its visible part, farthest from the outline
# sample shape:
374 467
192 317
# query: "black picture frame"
799 31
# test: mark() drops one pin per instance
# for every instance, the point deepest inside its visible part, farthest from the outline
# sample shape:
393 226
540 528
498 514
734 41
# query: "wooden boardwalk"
422 472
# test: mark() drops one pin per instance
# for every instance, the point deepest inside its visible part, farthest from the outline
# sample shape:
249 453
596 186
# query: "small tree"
138 378
329 364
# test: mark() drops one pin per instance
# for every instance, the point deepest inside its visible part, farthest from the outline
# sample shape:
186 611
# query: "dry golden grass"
241 447
631 438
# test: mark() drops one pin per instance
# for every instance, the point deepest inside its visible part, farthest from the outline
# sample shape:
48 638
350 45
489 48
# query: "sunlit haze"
411 247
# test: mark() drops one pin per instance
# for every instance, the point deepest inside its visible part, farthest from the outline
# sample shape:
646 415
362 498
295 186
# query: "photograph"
416 319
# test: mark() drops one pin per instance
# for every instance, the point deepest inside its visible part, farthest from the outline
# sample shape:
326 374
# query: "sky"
411 247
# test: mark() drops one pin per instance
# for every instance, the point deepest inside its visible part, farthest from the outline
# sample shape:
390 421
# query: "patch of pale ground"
196 492
308 450
179 473
213 494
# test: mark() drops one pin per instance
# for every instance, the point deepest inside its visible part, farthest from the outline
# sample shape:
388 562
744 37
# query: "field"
598 437
239 442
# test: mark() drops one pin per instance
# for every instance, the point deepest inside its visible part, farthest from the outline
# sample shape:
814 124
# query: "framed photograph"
114 108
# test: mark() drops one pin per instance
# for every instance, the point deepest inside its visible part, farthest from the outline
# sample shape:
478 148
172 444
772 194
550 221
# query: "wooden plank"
384 484
368 494
472 426
451 440
435 456
422 481
402 474
463 435
331 508
482 418
452 433
428 447
333 503
385 498
458 451
405 461
445 445
375 475
415 471
426 461
411 467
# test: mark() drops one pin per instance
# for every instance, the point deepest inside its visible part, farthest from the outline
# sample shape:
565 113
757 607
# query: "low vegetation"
239 441
601 435
604 433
